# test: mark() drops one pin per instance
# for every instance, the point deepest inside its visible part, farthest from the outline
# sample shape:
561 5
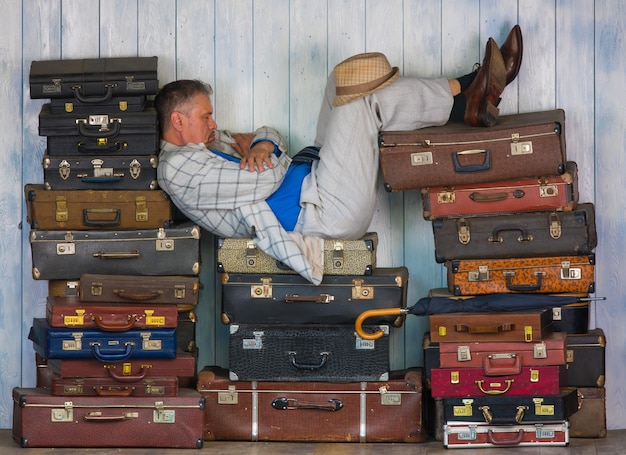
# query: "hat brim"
343 99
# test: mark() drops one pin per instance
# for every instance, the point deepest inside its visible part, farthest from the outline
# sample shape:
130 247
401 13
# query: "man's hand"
258 156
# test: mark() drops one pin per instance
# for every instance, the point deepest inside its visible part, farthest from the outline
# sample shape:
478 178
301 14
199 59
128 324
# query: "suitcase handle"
358 323
116 254
130 378
99 132
505 441
120 392
322 298
494 197
121 293
100 179
523 287
284 404
502 364
480 382
108 327
93 99
484 329
112 356
97 417
100 223
496 238
94 148
308 366
486 165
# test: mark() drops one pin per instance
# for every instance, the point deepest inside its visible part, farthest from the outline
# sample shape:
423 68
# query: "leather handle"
284 404
121 293
358 323
495 197
321 298
114 221
495 234
100 179
504 327
112 356
115 392
99 132
523 287
95 148
486 164
116 254
93 99
307 366
96 417
130 378
491 437
508 382
502 364
115 327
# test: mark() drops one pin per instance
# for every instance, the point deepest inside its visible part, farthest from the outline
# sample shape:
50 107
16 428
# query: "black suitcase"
291 299
115 104
546 233
66 255
93 80
585 357
100 172
100 133
311 352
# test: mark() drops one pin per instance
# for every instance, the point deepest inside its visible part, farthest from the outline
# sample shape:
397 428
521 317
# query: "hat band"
362 88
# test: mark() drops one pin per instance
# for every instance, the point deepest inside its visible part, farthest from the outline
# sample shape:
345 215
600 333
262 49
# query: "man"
243 185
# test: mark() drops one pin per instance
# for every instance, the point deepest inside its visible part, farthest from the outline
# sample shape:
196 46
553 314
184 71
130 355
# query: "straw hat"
361 75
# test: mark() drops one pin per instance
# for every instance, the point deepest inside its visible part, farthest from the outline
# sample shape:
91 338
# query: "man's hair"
175 96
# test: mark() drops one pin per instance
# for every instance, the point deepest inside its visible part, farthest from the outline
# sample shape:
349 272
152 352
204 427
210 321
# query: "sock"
457 114
466 80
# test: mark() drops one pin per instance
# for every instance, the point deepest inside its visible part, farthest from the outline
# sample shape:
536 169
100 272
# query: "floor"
613 444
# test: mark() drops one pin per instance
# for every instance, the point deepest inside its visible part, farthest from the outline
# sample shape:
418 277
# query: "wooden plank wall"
268 61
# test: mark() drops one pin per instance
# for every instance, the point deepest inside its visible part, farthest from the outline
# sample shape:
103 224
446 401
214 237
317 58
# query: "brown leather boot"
512 50
484 92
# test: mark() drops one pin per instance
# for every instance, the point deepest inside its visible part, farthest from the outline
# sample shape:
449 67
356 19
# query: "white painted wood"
118 28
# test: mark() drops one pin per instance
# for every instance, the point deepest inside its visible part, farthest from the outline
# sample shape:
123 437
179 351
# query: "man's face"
198 123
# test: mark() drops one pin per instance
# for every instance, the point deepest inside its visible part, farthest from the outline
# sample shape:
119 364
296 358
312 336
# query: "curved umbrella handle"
358 324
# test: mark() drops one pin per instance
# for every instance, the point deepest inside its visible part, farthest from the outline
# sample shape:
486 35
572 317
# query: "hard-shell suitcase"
590 420
516 235
103 288
93 80
519 146
186 329
44 420
586 362
67 312
468 435
341 257
509 410
61 343
385 411
113 172
102 133
306 352
152 252
498 358
548 275
554 192
115 104
521 326
291 299
96 209
105 387
472 382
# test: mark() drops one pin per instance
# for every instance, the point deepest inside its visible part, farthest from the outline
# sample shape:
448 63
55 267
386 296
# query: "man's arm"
256 148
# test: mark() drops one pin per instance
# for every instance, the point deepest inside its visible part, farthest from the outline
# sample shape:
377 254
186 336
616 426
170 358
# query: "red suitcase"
469 435
554 192
498 358
111 317
44 420
469 382
387 411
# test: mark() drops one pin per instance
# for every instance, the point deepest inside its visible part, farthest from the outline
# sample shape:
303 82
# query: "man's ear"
177 120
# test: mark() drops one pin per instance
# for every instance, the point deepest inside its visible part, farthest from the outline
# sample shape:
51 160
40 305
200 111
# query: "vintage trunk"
590 420
519 146
114 172
96 209
153 252
386 411
554 192
511 410
291 299
93 80
467 435
53 343
186 329
105 387
516 235
341 257
526 327
181 290
100 134
44 420
71 312
586 363
306 352
498 358
548 275
472 382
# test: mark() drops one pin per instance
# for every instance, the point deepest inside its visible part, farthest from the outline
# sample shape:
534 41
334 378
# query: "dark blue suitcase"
60 343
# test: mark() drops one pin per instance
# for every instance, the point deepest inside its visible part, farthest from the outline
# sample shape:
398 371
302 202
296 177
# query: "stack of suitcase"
503 203
297 369
116 349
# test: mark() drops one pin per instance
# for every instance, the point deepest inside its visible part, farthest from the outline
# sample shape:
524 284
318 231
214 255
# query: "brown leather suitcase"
104 387
96 209
386 411
44 420
548 275
554 192
112 317
590 419
525 327
519 146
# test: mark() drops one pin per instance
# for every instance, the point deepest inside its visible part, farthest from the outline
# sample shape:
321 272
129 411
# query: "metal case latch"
464 231
250 254
338 255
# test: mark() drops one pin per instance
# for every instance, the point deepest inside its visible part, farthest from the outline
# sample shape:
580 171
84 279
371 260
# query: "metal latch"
338 255
463 353
528 333
152 320
570 273
179 291
543 409
534 375
421 158
73 345
263 290
464 231
519 414
61 213
487 415
542 433
555 226
254 343
465 410
482 274
75 319
390 399
64 169
540 351
556 313
162 242
250 253
548 191
360 292
65 414
99 171
162 415
229 396
520 148
141 209
446 197
135 169
150 345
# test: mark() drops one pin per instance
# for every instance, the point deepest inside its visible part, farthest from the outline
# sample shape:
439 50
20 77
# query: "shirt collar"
169 147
